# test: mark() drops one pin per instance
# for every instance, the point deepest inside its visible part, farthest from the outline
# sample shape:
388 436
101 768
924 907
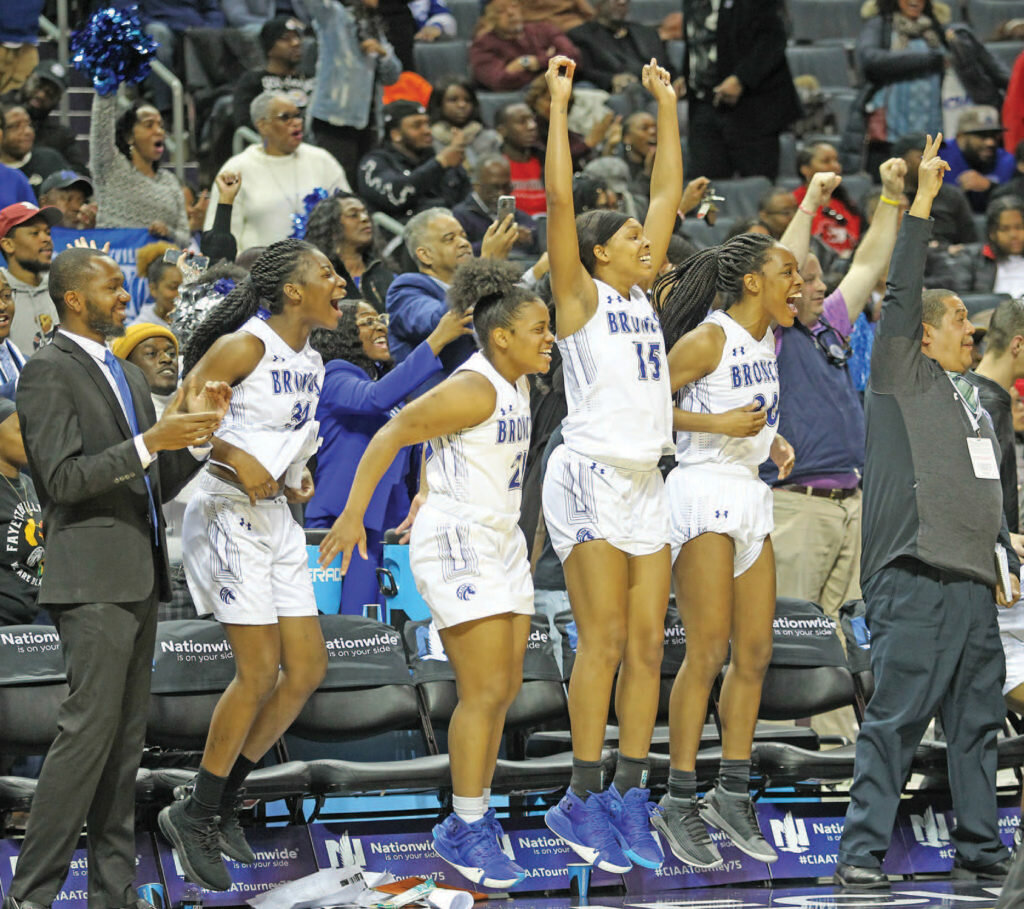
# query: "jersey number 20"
649 364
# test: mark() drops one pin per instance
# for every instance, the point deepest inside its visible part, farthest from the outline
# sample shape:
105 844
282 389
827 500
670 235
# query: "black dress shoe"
968 871
11 903
854 877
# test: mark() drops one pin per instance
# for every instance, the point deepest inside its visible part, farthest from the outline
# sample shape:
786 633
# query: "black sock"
587 777
630 773
204 802
243 767
734 777
682 784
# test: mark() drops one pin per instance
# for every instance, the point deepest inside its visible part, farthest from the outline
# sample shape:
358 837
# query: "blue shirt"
14 187
1003 168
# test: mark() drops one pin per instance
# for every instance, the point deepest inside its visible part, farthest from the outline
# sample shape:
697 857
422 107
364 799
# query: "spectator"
21 523
19 37
18 148
562 14
639 143
40 96
281 40
11 359
340 227
950 211
164 280
977 162
70 193
416 302
518 130
1015 185
275 176
14 186
614 50
433 20
604 136
124 158
197 204
837 224
354 63
453 105
740 89
592 194
510 52
476 213
362 390
902 55
776 210
1000 267
614 174
1013 107
406 175
28 249
817 507
167 21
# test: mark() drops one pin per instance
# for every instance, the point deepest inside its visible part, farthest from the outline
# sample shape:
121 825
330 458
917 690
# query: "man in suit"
740 89
103 464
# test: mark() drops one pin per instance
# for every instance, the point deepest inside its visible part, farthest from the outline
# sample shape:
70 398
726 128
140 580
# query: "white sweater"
273 187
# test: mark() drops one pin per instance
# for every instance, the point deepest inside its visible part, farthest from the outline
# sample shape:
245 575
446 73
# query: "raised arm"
872 256
667 174
102 147
573 289
456 404
797 236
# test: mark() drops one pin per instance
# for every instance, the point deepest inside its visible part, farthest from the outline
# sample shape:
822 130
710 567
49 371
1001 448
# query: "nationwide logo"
378 640
930 829
819 626
345 851
790 834
227 595
584 534
538 636
675 634
465 591
29 637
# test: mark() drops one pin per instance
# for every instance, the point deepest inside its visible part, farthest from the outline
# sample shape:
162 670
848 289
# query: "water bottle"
191 897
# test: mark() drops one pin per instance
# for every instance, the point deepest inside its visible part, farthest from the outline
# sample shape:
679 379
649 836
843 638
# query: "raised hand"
658 82
693 193
559 82
892 173
932 169
228 185
82 243
820 190
499 239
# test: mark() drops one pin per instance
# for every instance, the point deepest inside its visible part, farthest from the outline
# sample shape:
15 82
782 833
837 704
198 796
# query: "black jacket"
392 183
604 56
99 543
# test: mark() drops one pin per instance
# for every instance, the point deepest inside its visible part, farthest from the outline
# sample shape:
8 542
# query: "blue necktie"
114 365
7 365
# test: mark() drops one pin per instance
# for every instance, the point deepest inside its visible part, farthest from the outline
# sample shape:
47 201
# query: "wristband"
888 201
800 207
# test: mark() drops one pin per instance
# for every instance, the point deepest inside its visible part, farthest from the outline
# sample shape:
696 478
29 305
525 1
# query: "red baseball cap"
17 214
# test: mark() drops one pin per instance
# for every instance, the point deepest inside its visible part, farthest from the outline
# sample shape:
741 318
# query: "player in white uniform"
468 554
244 555
603 496
723 366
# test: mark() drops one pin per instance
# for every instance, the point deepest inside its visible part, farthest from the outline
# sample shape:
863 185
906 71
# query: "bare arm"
872 256
797 237
667 174
456 404
573 289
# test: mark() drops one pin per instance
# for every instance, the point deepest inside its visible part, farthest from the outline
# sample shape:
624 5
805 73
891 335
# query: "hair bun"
481 280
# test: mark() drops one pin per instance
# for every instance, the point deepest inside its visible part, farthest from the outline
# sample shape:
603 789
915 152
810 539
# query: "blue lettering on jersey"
285 381
747 374
625 323
512 430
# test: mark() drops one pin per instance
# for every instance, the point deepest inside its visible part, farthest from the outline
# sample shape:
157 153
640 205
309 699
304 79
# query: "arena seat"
829 65
742 195
676 53
985 16
467 14
1006 52
492 102
825 21
441 58
651 12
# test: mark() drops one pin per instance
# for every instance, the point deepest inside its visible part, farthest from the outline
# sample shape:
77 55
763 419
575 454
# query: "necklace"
19 492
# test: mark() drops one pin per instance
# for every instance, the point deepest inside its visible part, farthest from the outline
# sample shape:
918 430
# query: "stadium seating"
829 65
441 58
985 16
825 21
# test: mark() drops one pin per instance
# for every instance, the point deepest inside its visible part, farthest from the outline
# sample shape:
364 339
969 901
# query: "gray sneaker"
679 821
734 816
232 839
198 845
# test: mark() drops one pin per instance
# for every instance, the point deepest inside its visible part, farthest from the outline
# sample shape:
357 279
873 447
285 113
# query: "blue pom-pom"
112 48
300 222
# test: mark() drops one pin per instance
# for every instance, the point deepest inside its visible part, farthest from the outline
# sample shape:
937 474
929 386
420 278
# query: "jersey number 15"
649 363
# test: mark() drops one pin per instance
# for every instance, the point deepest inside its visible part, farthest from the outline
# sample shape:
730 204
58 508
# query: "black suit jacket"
751 44
602 57
99 544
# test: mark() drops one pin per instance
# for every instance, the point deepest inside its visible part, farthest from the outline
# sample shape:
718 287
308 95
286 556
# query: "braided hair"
264 287
491 288
684 296
343 342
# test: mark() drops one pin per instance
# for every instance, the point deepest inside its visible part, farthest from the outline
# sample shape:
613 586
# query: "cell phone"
195 261
506 207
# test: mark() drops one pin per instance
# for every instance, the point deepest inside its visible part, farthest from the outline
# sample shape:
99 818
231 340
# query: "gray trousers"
89 772
935 649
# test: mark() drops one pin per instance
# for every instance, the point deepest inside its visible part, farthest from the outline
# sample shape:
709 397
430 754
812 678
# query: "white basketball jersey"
477 474
746 374
272 408
617 384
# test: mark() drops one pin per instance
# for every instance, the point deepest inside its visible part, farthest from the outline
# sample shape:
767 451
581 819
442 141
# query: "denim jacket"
347 91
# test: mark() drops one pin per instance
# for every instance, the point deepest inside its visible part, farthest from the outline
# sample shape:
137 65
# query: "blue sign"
326 581
125 243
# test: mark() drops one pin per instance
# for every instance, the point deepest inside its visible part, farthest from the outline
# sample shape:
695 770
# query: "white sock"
487 799
469 809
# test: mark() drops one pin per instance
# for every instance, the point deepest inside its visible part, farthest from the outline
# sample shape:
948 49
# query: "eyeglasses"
286 116
372 321
837 351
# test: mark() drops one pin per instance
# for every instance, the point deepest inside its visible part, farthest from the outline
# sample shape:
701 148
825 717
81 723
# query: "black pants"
934 649
89 772
348 145
721 146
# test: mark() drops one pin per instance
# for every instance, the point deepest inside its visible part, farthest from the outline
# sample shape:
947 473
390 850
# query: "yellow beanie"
136 334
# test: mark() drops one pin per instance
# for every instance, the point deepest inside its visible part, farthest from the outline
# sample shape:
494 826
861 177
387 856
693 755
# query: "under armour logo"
276 359
722 514
242 522
741 351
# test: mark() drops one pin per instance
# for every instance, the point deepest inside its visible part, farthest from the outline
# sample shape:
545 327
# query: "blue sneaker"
587 828
631 819
472 849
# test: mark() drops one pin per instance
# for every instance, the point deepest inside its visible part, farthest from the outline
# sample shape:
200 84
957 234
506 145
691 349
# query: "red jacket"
489 55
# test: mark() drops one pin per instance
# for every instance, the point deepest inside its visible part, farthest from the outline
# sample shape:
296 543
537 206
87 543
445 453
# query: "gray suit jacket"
99 543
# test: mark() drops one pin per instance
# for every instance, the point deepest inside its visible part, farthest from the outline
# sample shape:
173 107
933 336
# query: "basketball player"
244 555
468 555
603 496
724 370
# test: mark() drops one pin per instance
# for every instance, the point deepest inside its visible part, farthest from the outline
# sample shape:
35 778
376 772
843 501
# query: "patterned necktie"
7 367
114 365
968 391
